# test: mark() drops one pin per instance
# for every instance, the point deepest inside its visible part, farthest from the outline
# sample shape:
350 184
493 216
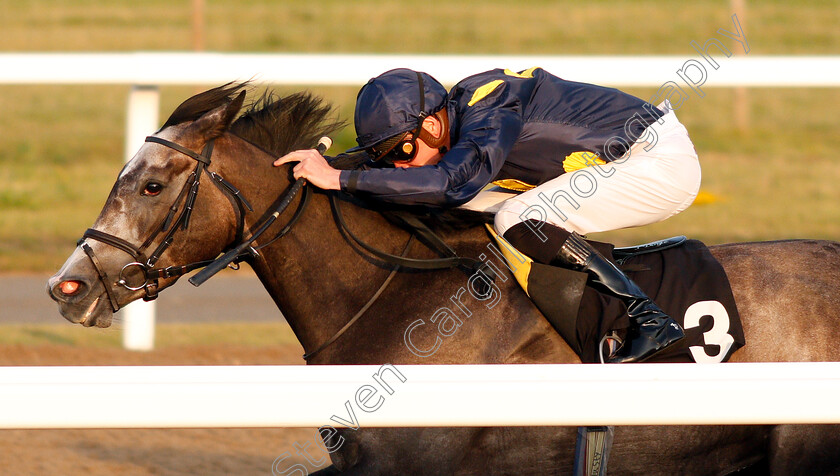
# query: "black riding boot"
651 330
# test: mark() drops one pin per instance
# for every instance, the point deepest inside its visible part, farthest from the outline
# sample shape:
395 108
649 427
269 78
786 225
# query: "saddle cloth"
686 281
691 286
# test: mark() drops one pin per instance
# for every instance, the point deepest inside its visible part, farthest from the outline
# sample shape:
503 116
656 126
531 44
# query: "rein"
450 259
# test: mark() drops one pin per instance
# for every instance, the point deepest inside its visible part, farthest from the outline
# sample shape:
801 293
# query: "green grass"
62 146
439 26
167 335
775 180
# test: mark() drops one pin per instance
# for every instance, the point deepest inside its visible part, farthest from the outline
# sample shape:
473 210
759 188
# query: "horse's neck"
319 281
316 279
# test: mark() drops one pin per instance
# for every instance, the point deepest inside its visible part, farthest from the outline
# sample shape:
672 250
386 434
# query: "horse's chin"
96 312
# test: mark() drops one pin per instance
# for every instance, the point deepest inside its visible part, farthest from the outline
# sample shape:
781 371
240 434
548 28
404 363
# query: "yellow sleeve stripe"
483 91
580 160
528 73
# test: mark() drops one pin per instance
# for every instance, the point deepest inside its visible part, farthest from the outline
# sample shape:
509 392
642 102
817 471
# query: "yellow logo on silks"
581 160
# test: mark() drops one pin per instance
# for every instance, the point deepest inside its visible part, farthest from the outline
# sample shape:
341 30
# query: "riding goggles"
400 148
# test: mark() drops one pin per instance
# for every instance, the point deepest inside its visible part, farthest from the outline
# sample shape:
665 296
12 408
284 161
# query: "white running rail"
418 395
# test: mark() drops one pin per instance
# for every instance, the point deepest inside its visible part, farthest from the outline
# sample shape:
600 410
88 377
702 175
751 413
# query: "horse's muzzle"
78 302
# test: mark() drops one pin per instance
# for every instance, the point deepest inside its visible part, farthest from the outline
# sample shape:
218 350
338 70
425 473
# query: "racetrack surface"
228 297
148 451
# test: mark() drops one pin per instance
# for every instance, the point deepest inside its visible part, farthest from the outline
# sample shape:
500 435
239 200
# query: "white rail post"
143 105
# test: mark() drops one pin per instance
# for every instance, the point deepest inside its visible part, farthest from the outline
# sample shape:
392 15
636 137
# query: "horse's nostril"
69 288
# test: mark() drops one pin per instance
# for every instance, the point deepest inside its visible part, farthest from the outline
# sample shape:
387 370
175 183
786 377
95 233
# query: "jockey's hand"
313 167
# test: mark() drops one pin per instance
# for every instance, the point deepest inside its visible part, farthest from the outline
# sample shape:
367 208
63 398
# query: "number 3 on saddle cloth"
683 278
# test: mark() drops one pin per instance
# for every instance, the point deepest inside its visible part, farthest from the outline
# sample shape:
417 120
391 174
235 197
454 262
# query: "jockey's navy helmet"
393 103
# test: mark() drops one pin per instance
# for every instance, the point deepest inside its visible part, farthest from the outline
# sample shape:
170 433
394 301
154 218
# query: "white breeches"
657 178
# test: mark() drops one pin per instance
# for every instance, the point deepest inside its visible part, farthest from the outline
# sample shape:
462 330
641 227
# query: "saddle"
678 273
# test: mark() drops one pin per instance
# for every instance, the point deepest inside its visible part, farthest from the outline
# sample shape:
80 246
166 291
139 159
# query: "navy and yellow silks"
506 125
557 292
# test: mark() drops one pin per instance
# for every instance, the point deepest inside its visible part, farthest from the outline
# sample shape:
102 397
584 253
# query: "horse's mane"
283 124
276 124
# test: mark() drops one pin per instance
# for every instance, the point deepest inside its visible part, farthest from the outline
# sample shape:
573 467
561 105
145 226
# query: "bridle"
170 225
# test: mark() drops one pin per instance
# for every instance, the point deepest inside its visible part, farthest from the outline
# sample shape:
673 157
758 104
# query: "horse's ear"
215 122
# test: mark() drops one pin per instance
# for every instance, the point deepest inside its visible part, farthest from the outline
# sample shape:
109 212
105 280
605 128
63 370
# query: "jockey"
591 159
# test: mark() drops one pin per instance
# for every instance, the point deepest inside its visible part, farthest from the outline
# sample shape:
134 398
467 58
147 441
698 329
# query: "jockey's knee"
692 186
527 230
515 211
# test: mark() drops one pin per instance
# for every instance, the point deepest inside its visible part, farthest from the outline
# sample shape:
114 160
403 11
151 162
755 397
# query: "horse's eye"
152 189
